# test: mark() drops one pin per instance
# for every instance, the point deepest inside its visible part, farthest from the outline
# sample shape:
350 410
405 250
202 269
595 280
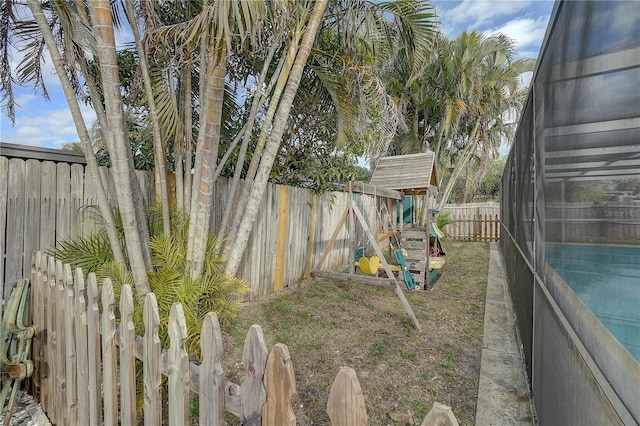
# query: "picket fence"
85 362
473 222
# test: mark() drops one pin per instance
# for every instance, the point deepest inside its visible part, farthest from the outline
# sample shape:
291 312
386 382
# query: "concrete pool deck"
503 393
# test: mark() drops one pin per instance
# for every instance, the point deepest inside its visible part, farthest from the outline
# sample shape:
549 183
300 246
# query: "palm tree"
136 233
70 92
490 93
460 106
364 30
159 155
205 38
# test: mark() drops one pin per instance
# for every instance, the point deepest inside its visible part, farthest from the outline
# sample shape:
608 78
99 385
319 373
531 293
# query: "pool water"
607 280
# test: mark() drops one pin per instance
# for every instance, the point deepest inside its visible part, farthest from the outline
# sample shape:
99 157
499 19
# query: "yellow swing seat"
369 266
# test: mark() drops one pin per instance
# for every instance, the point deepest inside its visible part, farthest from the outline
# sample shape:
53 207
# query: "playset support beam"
353 211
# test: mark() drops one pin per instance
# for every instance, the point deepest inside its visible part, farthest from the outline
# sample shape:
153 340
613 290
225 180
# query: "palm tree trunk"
158 148
246 137
188 135
460 165
120 149
179 175
207 62
243 197
279 125
103 203
202 200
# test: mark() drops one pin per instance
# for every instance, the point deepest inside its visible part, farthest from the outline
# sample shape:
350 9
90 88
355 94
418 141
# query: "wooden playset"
413 242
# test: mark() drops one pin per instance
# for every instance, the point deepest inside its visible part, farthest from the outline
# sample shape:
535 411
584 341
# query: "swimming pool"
607 280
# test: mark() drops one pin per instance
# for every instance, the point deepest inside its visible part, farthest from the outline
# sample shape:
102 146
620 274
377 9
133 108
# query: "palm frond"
417 28
89 252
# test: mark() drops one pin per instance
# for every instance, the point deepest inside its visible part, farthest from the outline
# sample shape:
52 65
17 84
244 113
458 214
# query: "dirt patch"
327 324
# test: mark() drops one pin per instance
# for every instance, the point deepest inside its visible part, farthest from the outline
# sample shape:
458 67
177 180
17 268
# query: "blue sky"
49 124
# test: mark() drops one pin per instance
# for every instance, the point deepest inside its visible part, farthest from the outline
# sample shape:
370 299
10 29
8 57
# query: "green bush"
170 279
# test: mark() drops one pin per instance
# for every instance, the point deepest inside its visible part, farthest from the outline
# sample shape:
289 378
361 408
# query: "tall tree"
345 60
137 240
268 156
489 95
158 145
189 45
70 94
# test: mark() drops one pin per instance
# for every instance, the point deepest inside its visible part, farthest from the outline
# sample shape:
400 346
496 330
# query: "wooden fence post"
211 373
81 346
253 394
178 368
280 383
152 367
127 359
71 363
93 351
109 366
346 405
61 344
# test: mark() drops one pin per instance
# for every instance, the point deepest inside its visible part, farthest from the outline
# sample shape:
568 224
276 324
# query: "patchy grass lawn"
328 324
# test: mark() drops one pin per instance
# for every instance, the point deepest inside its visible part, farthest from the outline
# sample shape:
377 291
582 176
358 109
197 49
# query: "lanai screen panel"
572 191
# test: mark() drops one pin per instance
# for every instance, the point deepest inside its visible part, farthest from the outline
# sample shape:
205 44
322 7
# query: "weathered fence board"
346 405
93 351
48 205
31 212
211 373
61 372
4 180
109 366
37 311
76 200
127 359
280 384
153 363
82 342
51 333
70 352
252 391
63 202
15 224
178 368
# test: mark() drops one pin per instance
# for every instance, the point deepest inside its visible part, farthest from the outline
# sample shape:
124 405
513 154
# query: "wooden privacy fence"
85 362
41 204
473 222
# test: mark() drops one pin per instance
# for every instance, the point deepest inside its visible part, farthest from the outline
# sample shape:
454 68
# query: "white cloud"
48 128
525 32
524 21
480 12
23 98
